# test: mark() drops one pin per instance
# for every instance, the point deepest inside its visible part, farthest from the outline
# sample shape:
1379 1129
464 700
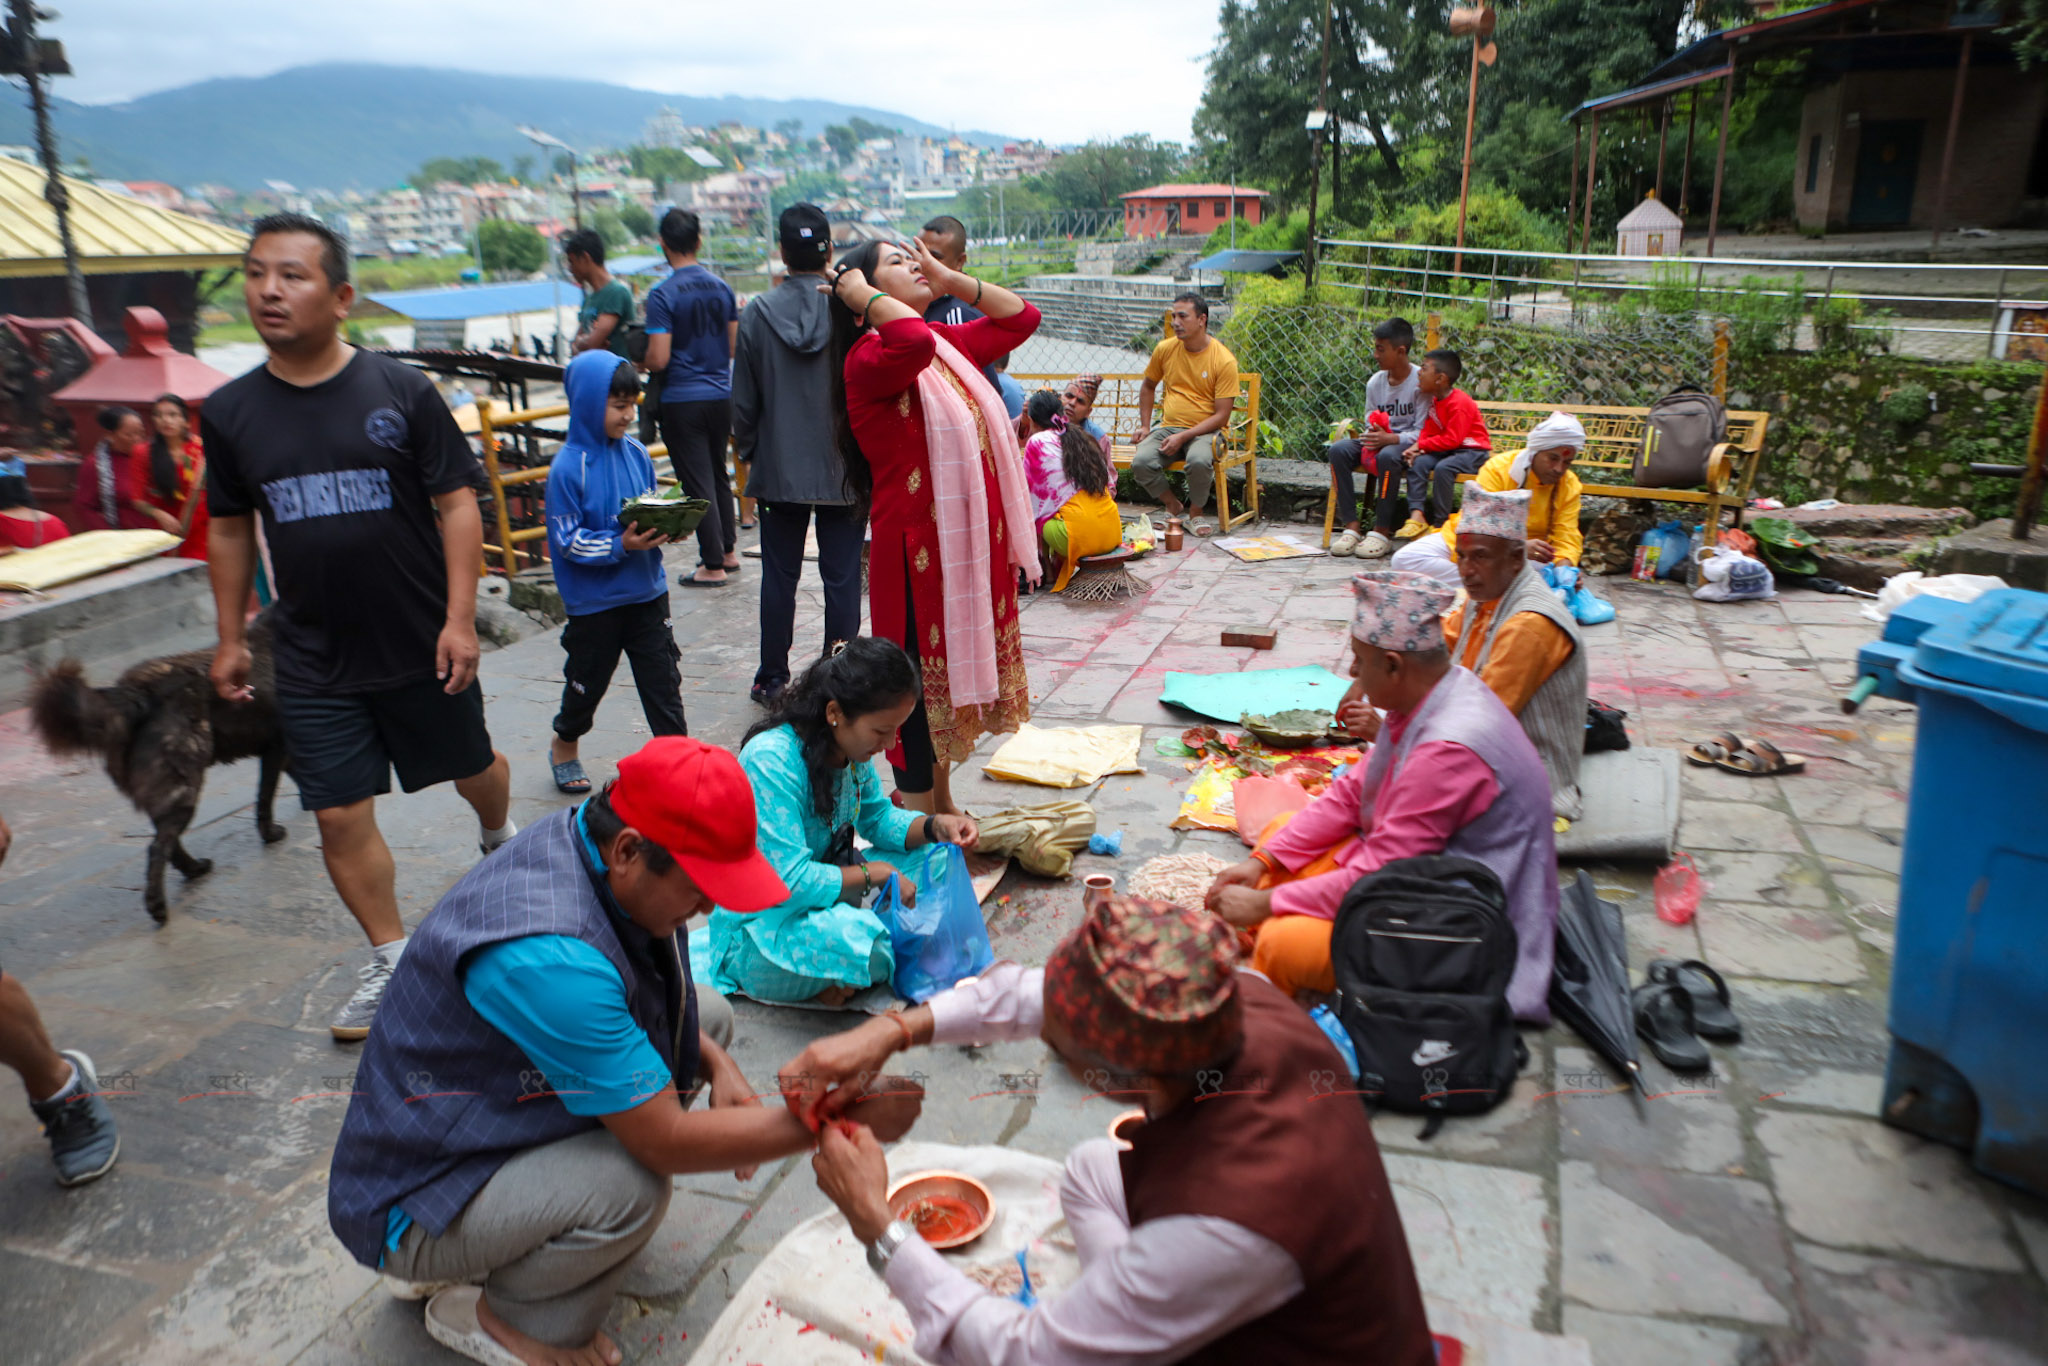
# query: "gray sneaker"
352 1021
83 1141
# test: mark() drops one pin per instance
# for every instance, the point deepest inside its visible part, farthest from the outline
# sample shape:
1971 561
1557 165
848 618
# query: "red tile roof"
1195 192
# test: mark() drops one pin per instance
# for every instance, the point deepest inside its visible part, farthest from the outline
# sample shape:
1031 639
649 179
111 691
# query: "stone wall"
1888 430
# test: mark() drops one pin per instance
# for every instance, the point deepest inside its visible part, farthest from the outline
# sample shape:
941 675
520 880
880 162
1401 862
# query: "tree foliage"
510 248
665 166
637 220
841 140
611 226
460 170
1397 93
1094 175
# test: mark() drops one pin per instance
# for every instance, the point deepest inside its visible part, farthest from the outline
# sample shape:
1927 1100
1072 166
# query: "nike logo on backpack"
1433 1051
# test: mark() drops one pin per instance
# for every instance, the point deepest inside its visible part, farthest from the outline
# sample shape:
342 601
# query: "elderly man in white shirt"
1245 1223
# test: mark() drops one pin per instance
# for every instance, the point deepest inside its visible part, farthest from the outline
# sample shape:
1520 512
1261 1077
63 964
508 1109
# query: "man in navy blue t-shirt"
692 320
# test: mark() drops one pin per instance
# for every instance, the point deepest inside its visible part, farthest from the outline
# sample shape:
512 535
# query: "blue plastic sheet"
1227 697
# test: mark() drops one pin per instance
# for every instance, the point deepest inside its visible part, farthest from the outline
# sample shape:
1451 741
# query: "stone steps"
110 622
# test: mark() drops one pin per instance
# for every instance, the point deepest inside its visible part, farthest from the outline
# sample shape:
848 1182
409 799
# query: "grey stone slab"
54 1308
265 1295
1857 851
1868 1310
690 1232
150 1218
1478 1235
1633 1339
1862 804
1777 1085
1779 879
1797 944
1692 1124
1737 825
1637 1239
1854 1183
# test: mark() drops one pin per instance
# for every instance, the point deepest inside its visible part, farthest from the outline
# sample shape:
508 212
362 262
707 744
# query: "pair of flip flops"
1680 1004
1757 758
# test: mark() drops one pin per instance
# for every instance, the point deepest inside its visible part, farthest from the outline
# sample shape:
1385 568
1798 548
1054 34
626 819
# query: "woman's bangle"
930 824
977 294
868 307
867 881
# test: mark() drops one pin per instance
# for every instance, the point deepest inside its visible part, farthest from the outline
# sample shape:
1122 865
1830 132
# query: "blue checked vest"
442 1099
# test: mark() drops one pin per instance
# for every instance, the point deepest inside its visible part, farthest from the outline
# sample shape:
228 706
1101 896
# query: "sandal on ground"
452 1322
1664 1018
692 581
570 777
1762 759
1707 753
1202 528
1712 1016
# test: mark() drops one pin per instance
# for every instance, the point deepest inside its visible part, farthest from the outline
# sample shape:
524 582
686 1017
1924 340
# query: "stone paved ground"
1761 1217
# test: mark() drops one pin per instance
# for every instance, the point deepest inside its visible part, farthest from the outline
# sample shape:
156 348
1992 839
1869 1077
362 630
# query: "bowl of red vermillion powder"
948 1209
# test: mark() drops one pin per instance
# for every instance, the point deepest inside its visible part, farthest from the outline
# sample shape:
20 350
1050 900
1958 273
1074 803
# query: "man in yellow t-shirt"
1200 376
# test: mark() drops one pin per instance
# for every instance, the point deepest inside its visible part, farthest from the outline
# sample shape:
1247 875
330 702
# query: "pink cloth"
960 499
1045 472
1451 787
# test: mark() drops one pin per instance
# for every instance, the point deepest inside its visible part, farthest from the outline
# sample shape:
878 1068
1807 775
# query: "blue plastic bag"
1674 547
942 938
1586 609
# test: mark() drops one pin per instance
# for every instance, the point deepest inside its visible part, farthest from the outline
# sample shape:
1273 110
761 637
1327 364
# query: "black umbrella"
1589 979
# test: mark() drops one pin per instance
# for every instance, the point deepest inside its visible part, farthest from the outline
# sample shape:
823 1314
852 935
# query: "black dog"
158 730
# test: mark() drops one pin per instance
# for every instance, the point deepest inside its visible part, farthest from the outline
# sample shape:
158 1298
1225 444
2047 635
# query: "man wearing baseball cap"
522 1101
782 433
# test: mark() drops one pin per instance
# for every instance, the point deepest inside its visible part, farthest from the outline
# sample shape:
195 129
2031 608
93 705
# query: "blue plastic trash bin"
1969 1008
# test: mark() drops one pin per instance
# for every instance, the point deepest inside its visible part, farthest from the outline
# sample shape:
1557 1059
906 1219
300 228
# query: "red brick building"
1170 210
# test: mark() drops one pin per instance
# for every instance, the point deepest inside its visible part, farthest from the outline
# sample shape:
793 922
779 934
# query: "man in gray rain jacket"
782 427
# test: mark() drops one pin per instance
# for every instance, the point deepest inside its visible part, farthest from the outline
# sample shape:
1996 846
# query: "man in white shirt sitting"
1245 1222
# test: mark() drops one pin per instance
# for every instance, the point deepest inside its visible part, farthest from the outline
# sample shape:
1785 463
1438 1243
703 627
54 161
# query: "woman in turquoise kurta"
811 766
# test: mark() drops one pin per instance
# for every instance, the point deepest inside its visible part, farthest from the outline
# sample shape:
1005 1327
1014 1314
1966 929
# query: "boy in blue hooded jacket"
609 576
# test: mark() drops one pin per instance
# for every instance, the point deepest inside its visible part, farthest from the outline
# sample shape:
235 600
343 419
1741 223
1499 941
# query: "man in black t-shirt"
348 457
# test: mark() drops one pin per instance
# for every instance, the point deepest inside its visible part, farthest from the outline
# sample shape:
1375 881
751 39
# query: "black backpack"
1684 427
1423 950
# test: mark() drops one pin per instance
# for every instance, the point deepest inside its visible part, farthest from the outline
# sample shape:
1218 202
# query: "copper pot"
1096 889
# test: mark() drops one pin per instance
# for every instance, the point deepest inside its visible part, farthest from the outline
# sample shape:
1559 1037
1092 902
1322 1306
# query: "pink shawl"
961 500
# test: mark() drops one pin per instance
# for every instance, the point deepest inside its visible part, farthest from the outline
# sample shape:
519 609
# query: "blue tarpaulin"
456 302
1248 262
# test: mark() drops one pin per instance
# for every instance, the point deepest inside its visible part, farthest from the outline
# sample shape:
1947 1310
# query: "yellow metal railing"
506 547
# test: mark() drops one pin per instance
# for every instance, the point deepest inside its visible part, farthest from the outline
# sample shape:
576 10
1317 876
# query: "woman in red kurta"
892 361
170 472
107 498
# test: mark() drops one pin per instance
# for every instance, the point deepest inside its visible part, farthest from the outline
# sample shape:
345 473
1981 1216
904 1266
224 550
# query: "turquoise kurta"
814 940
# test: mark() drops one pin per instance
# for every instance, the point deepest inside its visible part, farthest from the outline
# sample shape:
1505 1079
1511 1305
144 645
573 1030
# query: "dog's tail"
72 716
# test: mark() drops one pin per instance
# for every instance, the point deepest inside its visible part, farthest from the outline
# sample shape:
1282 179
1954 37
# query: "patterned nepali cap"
1148 986
1090 383
1400 610
1486 513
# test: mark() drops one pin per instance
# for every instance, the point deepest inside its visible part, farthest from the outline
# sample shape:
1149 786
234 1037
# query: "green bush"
1905 406
1763 319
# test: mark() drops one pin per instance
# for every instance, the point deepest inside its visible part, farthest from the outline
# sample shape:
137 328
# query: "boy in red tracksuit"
1453 441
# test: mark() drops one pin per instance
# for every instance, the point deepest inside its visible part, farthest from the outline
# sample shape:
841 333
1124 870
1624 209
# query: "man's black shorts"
344 746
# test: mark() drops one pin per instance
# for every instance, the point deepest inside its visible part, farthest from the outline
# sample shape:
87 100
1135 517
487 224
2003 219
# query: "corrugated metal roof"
478 301
115 234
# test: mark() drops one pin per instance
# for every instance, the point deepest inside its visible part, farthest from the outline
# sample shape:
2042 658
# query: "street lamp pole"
1318 119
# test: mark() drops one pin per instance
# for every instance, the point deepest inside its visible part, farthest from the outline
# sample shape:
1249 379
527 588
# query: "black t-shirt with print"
344 474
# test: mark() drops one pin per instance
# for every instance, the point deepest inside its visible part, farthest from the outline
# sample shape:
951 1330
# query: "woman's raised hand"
853 289
937 274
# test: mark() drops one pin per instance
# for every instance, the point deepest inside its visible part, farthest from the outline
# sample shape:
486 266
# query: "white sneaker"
1344 543
1375 546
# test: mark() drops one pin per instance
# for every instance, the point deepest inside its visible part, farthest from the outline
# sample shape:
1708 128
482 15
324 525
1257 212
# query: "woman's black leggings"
697 433
919 758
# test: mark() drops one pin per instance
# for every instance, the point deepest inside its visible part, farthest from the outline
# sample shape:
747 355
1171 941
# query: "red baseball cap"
693 800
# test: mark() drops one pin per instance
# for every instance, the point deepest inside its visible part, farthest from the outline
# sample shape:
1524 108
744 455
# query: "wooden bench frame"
1613 438
1237 446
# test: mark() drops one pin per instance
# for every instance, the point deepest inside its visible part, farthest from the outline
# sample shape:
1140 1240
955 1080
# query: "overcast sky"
1062 70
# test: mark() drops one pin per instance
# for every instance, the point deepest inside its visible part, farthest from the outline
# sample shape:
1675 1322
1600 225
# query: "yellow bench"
1237 446
1613 438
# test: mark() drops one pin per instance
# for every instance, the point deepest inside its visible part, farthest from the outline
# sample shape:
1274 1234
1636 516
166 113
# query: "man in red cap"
522 1101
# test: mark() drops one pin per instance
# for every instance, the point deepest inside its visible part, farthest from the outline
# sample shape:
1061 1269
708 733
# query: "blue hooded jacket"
588 480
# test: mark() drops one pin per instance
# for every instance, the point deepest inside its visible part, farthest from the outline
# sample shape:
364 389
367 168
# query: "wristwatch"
883 1248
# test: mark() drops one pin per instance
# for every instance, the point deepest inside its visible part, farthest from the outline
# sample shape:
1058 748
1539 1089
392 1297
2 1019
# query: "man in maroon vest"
1249 1219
